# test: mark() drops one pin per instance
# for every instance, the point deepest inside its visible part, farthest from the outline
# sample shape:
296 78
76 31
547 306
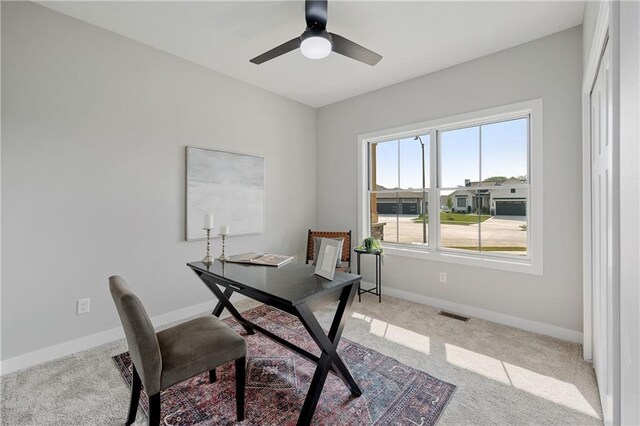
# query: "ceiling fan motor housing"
311 32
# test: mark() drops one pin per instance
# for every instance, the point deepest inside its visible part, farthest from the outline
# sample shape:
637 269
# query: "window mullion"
434 196
478 212
399 205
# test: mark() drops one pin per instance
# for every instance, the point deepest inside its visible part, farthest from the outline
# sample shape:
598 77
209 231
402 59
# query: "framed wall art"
229 186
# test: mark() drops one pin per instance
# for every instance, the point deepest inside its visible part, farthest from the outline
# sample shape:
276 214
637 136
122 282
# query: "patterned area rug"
278 379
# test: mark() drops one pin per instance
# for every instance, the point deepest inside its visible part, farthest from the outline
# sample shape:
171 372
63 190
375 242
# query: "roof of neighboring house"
468 190
399 194
461 192
509 181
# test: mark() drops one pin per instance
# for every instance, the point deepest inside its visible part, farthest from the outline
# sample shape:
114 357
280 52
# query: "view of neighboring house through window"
399 190
480 199
485 169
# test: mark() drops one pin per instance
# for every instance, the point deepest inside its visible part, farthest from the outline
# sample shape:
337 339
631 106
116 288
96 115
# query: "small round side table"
377 290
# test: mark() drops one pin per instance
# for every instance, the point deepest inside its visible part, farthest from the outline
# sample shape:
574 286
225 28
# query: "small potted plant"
371 244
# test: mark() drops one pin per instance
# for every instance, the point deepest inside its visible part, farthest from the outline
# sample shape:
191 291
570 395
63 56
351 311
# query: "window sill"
525 266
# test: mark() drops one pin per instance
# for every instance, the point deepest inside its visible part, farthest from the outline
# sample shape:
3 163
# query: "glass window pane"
459 226
384 216
504 151
384 161
413 226
460 157
506 231
414 162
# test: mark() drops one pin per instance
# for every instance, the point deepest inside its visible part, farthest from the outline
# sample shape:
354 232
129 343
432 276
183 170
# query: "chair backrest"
346 244
141 336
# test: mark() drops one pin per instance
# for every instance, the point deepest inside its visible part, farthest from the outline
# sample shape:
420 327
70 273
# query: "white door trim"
625 33
591 71
603 200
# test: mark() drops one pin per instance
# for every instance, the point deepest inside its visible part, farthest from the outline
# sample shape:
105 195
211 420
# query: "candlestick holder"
222 257
208 259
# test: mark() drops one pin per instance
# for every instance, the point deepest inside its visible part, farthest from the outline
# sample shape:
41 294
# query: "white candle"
224 230
208 221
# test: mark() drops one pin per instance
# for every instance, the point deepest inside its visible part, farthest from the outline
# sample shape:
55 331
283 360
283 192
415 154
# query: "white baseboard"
67 348
521 323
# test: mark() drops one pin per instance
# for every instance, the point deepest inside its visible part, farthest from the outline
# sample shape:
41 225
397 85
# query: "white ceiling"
414 38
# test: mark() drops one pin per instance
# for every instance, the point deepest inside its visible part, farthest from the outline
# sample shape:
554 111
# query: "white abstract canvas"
229 186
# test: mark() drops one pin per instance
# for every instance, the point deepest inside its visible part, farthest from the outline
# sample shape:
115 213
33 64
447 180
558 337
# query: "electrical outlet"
84 306
443 277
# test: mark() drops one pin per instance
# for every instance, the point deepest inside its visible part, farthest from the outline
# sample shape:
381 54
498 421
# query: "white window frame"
532 264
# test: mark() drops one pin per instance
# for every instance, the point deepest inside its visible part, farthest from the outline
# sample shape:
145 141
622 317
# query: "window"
399 170
481 163
458 189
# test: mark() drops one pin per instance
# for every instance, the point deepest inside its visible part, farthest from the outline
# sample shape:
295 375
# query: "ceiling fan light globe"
315 47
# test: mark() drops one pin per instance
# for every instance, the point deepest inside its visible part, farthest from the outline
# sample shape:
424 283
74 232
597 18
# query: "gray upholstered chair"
162 359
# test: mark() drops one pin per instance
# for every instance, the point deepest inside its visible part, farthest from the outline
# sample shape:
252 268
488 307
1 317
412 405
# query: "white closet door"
602 233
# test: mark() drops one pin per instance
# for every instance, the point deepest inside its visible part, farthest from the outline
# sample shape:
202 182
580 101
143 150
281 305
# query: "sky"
504 153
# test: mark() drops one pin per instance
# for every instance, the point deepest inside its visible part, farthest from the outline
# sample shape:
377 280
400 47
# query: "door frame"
597 47
625 24
604 33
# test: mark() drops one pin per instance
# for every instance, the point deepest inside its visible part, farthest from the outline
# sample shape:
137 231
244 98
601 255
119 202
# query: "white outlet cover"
83 306
443 277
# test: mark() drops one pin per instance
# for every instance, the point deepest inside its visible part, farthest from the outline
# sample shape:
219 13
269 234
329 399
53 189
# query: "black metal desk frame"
329 360
377 290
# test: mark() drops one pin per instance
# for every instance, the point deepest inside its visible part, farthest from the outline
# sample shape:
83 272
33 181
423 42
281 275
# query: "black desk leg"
224 300
315 389
340 320
327 347
219 306
329 358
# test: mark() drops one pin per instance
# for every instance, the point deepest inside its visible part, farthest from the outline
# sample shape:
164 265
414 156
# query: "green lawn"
456 218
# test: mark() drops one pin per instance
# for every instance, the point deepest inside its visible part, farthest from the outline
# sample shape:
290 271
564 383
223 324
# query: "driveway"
497 231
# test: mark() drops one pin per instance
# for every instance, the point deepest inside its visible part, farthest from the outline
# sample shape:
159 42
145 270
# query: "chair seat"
195 346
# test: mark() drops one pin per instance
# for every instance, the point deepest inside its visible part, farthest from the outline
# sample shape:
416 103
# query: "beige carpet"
503 375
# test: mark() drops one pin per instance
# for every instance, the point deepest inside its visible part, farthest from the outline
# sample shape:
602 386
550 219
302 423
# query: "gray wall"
93 162
549 68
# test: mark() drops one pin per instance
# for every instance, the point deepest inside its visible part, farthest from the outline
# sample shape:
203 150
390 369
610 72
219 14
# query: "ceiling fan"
316 42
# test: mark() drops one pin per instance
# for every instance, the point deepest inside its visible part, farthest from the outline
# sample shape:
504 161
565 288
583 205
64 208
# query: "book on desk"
264 259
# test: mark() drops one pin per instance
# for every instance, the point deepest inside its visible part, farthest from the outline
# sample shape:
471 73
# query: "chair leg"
212 376
136 384
154 409
240 379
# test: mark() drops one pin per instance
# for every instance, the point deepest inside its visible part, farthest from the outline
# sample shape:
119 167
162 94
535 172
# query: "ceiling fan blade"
353 50
287 47
315 12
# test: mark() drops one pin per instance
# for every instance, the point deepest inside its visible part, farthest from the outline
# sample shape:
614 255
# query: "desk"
295 289
377 290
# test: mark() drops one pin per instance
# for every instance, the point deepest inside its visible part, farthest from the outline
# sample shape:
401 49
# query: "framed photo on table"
327 258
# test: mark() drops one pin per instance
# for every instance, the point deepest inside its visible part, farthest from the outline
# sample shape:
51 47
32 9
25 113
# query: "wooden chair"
345 257
160 360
